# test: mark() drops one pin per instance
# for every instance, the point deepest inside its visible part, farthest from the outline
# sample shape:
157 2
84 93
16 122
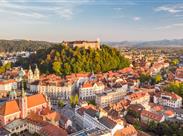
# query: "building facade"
88 90
84 44
168 99
110 96
53 86
8 85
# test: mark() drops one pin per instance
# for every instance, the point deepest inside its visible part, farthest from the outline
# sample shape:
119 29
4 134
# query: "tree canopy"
176 87
23 45
64 60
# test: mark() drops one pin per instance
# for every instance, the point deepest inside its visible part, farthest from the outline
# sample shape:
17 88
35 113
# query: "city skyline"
109 20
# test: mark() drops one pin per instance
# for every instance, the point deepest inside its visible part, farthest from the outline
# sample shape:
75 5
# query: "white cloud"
169 26
117 9
173 9
136 18
64 9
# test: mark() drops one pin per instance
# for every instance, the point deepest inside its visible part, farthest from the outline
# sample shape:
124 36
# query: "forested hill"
64 60
23 45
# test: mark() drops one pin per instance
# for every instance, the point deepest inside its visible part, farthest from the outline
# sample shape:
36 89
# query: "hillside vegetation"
23 45
64 60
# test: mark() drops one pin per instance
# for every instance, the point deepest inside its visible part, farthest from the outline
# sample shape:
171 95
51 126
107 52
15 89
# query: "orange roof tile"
51 130
7 81
9 107
127 131
55 116
35 100
151 115
158 108
169 112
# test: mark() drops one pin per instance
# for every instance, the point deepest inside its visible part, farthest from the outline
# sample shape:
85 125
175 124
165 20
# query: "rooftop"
151 115
51 130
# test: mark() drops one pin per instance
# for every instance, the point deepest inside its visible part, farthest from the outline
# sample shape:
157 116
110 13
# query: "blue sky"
109 20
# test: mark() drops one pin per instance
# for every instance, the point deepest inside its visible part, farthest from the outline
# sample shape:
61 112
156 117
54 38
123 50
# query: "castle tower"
36 73
23 103
98 43
30 75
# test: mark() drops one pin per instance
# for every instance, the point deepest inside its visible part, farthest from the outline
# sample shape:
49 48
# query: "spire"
36 73
23 91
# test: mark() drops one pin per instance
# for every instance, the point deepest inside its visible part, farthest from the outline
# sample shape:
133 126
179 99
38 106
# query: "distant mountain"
141 44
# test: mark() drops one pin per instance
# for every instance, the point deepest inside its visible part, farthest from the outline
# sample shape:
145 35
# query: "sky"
109 20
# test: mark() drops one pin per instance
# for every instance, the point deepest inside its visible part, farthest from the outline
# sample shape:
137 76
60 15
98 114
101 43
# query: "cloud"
42 8
173 9
136 18
169 26
117 9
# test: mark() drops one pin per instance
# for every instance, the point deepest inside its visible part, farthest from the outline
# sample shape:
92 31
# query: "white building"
53 86
179 74
111 96
88 90
8 85
168 99
92 118
140 97
148 116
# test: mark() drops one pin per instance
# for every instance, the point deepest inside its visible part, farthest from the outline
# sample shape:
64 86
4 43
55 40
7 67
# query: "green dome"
12 93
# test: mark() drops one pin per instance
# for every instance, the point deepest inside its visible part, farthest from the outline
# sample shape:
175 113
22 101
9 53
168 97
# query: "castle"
85 44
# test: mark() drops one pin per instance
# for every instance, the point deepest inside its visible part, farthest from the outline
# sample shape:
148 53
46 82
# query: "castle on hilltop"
85 44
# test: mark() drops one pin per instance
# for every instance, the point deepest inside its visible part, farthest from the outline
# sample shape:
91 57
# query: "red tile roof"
35 100
138 95
9 107
151 115
7 82
51 130
169 112
127 131
179 73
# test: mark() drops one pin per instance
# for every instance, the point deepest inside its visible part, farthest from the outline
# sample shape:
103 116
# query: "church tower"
30 75
36 73
23 103
12 95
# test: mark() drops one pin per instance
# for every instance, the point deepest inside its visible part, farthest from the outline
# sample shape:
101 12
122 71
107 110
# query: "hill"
23 45
63 60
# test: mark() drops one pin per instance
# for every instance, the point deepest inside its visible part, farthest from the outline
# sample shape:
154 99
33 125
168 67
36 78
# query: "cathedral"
20 108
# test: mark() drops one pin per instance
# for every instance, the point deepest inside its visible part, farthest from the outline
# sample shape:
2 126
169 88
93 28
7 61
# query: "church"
32 76
21 107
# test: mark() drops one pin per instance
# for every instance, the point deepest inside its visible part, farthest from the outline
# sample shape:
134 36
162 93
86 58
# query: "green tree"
65 60
2 69
60 103
175 62
72 101
56 67
8 65
76 99
144 78
158 78
176 87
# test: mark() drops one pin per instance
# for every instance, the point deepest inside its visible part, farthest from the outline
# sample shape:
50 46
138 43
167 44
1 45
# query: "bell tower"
30 75
36 73
23 103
